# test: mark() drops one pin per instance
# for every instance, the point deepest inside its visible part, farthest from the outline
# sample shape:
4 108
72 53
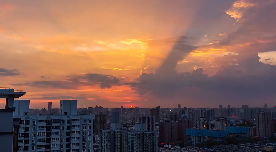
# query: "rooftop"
5 92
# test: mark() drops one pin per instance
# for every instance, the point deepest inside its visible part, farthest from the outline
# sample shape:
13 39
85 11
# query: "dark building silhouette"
99 123
263 125
273 128
182 125
168 132
156 113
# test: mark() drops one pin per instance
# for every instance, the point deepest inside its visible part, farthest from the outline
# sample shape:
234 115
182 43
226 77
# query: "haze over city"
197 53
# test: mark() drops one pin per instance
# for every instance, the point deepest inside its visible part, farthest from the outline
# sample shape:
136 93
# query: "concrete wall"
6 121
68 106
6 143
21 107
6 129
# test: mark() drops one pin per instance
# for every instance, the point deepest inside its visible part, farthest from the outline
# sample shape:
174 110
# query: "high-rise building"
68 107
210 114
8 131
6 135
183 124
99 123
221 124
22 107
220 106
263 129
250 113
273 128
244 106
173 116
138 140
115 119
50 107
56 133
265 106
156 113
145 123
168 132
179 106
125 141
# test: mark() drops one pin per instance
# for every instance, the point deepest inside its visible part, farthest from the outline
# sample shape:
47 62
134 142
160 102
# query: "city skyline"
139 53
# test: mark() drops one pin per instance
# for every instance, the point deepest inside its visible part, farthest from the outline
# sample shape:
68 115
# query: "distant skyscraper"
250 113
263 121
220 106
244 106
210 114
50 107
168 132
115 119
68 107
145 123
265 106
273 128
179 106
182 125
156 113
99 123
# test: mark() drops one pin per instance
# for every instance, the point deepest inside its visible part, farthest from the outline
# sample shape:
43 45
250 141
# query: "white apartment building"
67 132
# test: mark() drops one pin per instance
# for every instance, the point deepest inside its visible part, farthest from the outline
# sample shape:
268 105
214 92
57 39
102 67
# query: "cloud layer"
193 52
77 81
6 72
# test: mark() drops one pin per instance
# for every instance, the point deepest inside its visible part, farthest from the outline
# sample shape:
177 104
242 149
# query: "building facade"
56 133
128 141
263 129
156 113
99 123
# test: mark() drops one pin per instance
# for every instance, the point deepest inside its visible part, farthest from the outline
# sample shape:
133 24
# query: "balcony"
55 130
75 123
41 143
41 149
41 130
75 135
41 124
75 128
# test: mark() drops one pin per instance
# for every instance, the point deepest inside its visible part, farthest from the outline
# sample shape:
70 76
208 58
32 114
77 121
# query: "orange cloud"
238 8
141 43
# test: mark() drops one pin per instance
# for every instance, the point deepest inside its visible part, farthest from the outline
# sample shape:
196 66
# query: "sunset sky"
144 53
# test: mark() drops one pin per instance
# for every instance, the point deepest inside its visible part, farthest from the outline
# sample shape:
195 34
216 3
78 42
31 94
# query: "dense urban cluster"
134 129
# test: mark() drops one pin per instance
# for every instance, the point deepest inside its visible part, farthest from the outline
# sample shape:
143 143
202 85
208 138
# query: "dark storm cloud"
246 80
179 51
251 80
104 81
76 81
171 40
6 72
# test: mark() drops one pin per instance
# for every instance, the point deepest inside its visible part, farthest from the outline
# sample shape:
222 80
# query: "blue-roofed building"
202 135
237 130
240 132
